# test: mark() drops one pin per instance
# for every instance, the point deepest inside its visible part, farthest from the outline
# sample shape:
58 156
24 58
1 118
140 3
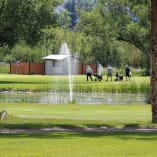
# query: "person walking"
109 72
127 72
89 73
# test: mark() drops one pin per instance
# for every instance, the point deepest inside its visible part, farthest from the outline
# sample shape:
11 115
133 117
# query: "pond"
79 98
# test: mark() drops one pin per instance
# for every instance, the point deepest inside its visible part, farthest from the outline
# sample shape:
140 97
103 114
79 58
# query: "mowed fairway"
42 115
69 144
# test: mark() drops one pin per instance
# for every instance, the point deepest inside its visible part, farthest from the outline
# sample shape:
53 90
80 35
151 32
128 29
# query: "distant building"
60 64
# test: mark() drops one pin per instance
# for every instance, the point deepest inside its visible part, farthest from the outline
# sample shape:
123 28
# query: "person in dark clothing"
119 77
127 72
98 77
89 73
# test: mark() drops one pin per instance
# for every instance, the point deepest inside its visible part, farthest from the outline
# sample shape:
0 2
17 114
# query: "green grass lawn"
73 115
60 83
78 145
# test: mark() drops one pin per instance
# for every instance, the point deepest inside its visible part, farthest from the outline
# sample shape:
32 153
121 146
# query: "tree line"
115 32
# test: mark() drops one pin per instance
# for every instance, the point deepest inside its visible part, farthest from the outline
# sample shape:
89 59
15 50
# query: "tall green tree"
91 23
130 21
24 20
117 20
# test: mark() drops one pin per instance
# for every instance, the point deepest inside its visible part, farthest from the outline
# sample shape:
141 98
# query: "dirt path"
87 129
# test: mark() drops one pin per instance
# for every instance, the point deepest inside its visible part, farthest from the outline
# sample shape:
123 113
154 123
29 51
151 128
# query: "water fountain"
71 66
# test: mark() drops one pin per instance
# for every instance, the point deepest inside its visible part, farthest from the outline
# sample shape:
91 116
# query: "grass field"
78 145
60 83
42 115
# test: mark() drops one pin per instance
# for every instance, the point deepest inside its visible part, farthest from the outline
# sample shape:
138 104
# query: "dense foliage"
107 30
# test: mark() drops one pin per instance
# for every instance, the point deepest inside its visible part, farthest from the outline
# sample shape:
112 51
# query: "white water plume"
64 50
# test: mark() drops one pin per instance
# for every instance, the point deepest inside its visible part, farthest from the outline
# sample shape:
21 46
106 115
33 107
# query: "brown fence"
39 68
27 68
82 68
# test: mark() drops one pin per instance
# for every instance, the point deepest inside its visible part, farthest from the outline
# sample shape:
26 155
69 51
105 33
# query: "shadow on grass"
133 125
75 130
74 127
38 126
22 82
72 135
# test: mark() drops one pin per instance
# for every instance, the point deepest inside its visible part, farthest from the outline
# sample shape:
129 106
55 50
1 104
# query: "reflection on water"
79 98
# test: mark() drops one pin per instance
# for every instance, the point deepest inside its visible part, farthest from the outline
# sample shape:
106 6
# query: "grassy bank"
60 83
78 145
42 115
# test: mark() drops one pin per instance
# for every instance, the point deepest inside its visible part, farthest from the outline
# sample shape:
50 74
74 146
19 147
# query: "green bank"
61 83
21 115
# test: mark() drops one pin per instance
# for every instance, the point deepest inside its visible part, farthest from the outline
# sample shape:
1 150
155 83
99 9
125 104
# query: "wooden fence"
27 68
39 68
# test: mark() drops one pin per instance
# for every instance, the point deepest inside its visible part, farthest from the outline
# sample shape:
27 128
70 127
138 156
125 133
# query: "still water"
79 98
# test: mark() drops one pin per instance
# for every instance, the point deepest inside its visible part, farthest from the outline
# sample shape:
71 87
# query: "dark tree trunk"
154 60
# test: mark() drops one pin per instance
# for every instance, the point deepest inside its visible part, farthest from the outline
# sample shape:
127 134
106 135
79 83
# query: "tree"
95 28
130 21
112 21
154 60
24 20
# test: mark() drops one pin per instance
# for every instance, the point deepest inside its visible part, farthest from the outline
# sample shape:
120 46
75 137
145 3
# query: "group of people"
118 77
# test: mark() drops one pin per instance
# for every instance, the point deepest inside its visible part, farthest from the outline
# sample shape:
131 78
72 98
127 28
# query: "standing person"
127 72
89 73
109 72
